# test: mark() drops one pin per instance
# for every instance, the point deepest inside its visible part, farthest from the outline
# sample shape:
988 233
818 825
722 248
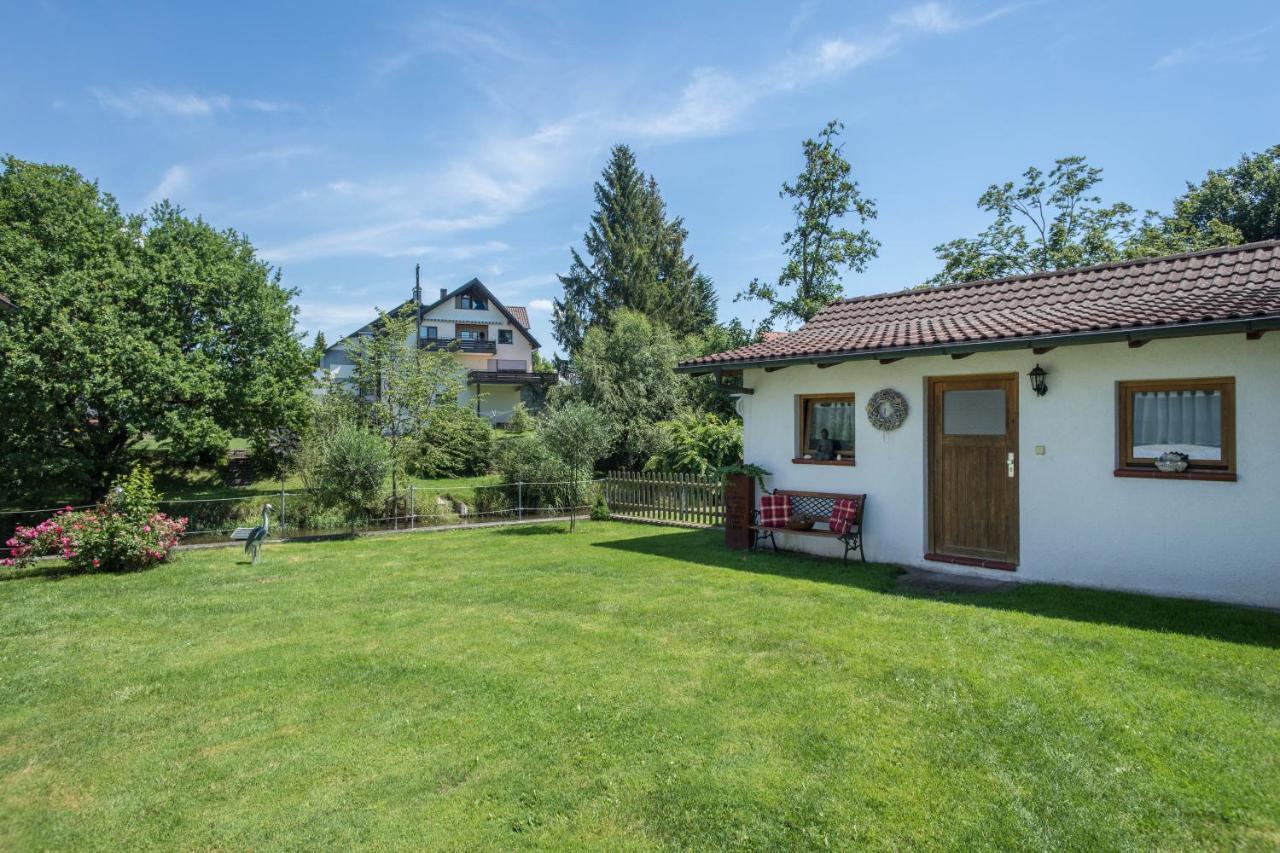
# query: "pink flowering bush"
125 532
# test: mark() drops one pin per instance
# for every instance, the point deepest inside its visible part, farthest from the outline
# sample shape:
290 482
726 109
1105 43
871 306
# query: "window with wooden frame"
468 302
1195 417
825 429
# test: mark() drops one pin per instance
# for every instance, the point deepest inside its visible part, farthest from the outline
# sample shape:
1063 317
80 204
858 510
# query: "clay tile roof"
1236 283
772 336
520 313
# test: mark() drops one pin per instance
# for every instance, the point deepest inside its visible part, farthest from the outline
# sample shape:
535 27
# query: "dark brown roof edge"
1177 330
1111 265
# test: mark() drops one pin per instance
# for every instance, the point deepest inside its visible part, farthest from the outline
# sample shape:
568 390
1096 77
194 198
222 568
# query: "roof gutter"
1140 333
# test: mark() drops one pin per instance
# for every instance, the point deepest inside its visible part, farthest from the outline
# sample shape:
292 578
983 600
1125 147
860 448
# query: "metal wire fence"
301 514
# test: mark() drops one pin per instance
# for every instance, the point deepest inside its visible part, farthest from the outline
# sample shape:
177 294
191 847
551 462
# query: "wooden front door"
973 469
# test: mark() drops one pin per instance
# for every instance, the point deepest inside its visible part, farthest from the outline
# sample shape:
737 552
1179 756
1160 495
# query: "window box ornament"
1172 462
887 409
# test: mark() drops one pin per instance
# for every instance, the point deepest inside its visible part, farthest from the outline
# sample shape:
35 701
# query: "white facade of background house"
1085 515
492 341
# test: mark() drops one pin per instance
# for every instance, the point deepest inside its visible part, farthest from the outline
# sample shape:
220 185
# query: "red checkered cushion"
775 510
844 514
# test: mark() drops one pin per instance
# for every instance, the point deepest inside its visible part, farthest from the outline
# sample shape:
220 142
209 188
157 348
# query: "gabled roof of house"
518 316
1218 290
6 304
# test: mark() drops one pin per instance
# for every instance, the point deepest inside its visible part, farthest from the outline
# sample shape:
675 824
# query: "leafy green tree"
1239 204
579 436
817 248
1049 222
402 386
455 442
635 258
698 445
627 373
352 474
704 393
132 328
542 365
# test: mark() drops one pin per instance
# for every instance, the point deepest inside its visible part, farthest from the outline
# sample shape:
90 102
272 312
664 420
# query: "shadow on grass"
1224 622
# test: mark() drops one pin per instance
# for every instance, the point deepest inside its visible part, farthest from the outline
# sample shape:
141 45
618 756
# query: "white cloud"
714 100
144 101
1249 47
931 17
541 306
176 179
507 173
261 106
473 43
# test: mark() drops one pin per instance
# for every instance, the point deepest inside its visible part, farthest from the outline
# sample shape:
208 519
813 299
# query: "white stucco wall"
1079 524
446 317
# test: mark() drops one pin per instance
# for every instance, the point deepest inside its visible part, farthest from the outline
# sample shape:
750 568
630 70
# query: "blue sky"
350 141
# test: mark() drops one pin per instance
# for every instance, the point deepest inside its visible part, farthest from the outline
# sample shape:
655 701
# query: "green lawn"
624 687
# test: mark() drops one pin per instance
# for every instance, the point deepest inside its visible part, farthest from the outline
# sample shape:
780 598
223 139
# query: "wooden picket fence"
687 499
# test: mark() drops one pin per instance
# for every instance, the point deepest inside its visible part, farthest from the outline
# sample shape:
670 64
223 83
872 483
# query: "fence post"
413 505
519 499
282 521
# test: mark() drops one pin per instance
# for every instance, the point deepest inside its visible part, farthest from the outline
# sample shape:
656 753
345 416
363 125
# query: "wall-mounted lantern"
1038 385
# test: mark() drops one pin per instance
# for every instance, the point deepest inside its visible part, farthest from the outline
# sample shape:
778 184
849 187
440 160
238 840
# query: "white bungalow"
1046 419
492 341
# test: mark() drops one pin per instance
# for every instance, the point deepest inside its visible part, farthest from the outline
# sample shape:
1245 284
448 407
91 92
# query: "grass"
627 687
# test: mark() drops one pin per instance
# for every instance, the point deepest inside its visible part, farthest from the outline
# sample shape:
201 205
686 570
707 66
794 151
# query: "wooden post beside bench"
817 505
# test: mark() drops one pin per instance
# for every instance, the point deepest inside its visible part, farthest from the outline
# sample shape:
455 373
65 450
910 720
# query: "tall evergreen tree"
634 258
817 247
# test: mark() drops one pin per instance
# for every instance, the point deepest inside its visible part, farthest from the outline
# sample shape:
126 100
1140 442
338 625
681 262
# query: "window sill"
1153 474
847 463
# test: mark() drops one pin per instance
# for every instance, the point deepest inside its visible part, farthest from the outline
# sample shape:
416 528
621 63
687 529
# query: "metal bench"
818 505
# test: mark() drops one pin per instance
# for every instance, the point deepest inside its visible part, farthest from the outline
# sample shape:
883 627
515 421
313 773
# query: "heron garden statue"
255 537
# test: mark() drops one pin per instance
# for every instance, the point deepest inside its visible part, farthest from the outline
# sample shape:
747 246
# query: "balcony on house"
505 371
460 344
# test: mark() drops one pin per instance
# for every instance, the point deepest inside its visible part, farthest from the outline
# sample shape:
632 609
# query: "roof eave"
1182 330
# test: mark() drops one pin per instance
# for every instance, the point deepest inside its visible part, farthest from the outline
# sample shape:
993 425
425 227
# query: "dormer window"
469 302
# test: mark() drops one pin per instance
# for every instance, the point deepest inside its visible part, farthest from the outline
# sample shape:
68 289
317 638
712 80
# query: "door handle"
1011 468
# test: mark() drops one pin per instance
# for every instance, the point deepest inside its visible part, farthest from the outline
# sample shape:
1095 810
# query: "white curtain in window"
1177 418
837 419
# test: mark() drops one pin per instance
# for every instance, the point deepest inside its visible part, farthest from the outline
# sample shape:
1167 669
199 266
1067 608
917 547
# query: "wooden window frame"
1127 465
802 420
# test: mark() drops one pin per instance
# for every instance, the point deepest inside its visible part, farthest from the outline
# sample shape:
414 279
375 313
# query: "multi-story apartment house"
491 340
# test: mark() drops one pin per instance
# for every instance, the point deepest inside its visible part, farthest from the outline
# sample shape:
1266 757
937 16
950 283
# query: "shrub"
124 533
600 509
456 442
697 445
352 474
494 501
525 459
521 420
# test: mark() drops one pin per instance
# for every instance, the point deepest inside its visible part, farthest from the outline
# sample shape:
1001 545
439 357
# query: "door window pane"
1189 422
979 412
